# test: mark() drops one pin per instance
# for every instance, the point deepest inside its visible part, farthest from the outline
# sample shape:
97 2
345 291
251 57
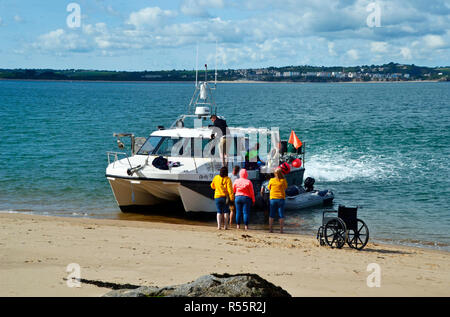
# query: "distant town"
365 73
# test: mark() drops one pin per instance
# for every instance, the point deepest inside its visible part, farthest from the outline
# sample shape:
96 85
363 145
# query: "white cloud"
379 47
60 41
149 17
103 43
88 29
405 52
51 39
233 55
331 50
18 19
353 54
434 41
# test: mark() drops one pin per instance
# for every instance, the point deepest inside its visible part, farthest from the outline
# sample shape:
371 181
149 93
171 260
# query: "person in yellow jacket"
277 186
222 188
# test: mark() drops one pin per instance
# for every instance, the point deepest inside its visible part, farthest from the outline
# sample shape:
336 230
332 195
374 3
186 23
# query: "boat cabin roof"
206 132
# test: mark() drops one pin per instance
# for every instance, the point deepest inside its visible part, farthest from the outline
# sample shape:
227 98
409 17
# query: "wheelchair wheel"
358 240
335 233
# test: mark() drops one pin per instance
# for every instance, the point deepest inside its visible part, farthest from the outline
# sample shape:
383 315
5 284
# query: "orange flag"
294 140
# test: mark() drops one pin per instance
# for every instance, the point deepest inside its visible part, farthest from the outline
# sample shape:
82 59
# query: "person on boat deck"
222 125
245 197
277 186
222 189
233 176
252 158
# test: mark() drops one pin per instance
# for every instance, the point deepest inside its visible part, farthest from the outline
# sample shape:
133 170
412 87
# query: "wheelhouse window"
188 147
150 145
170 147
166 146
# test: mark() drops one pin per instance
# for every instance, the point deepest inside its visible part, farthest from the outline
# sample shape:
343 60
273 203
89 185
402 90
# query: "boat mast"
203 97
196 68
215 73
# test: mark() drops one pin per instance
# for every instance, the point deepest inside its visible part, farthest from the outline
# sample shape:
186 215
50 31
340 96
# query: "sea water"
383 147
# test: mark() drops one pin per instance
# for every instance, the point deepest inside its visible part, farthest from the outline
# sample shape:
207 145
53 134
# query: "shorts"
221 205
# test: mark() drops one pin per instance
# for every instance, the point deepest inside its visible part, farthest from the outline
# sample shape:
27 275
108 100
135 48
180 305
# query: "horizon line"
212 70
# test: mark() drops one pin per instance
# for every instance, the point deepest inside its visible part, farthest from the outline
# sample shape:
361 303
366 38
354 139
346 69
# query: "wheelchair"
345 228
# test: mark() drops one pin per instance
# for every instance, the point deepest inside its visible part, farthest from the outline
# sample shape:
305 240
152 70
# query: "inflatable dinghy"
298 198
309 199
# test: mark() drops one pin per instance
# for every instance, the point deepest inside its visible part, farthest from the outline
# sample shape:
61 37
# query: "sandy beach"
36 250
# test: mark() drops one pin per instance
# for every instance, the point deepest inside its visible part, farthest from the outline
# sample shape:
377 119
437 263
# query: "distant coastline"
328 82
224 81
392 72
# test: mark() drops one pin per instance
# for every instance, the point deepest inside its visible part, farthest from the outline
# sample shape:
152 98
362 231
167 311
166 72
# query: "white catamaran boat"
177 164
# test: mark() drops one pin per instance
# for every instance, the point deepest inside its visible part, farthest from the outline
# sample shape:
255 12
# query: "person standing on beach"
245 197
277 186
233 176
222 190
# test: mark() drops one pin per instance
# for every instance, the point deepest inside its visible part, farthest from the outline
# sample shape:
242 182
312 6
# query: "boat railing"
116 155
300 153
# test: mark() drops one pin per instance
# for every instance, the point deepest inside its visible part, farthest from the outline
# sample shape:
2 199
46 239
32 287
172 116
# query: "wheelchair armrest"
328 212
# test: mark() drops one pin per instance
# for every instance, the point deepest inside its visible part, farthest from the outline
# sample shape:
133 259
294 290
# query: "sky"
163 35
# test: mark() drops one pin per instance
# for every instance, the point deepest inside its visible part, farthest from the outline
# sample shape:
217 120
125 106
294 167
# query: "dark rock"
213 285
136 292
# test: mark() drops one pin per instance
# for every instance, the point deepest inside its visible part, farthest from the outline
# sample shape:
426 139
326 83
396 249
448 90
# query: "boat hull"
148 195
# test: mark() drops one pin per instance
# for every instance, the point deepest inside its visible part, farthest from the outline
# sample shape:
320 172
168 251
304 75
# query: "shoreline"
35 251
326 82
224 81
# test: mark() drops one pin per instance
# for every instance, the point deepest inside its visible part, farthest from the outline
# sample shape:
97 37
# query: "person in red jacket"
244 197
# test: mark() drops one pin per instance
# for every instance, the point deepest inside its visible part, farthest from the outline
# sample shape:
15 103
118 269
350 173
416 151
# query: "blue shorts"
221 205
277 206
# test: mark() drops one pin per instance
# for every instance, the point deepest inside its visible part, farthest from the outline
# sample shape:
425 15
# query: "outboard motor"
309 184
